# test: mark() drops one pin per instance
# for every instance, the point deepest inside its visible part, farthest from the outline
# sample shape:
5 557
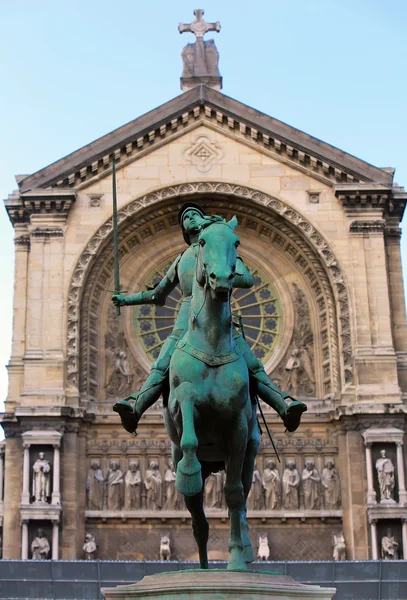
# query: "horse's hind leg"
189 473
200 526
247 476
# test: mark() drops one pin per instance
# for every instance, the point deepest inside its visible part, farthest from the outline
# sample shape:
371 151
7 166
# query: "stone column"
404 535
351 465
25 494
15 366
371 493
56 496
24 540
1 475
400 474
55 540
373 531
71 518
13 469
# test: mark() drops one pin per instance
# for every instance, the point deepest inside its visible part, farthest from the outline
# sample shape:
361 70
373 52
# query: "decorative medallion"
257 308
203 153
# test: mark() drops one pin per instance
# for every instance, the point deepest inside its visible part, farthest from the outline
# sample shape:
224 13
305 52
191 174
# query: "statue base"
198 584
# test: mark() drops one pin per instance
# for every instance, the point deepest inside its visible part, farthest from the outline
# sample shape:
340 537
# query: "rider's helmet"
184 208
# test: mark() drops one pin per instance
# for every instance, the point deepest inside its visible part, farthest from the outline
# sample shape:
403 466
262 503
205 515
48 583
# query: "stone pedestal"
219 584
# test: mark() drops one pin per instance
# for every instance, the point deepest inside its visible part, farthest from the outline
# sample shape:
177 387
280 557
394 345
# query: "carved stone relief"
310 484
296 372
123 376
148 483
202 153
291 483
331 486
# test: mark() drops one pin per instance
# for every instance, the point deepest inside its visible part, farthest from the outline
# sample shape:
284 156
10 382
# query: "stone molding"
46 234
195 107
384 435
367 227
22 206
280 514
43 437
292 217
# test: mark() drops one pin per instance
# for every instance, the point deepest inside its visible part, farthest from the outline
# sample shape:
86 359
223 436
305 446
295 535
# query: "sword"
115 239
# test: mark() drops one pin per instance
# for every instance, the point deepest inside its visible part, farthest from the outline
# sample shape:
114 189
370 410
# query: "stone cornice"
205 105
375 199
44 204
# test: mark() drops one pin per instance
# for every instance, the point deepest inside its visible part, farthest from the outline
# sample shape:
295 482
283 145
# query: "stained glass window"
259 308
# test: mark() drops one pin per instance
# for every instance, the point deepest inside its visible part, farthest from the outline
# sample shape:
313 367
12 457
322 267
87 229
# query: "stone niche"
386 491
40 506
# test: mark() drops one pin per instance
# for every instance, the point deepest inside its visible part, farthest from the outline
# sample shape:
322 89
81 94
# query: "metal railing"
74 580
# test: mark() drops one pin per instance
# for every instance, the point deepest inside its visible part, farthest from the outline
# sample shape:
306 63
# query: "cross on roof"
199 27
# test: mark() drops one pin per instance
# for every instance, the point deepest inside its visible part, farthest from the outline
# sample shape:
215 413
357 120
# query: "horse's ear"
232 223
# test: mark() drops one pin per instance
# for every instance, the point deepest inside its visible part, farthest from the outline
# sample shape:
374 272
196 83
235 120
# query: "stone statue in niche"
264 550
385 476
296 373
122 373
89 547
40 547
291 482
132 487
153 485
254 499
331 485
165 548
115 484
41 488
172 496
95 486
310 484
272 485
339 547
390 547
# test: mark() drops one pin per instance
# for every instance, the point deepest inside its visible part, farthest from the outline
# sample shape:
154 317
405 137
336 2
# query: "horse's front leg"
234 493
189 473
200 525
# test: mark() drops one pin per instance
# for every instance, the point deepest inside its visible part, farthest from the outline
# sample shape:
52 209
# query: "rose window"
258 308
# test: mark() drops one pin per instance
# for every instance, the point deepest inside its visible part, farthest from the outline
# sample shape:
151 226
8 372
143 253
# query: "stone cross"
199 27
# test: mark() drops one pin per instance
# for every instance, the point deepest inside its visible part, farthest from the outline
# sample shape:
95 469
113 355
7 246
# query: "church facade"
320 232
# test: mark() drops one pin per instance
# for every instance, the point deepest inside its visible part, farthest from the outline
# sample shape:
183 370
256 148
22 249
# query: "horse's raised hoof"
237 562
189 477
127 415
293 415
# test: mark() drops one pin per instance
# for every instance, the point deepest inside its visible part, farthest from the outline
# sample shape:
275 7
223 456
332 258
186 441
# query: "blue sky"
71 71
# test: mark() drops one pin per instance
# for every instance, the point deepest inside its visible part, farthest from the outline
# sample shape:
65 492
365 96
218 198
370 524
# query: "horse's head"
217 258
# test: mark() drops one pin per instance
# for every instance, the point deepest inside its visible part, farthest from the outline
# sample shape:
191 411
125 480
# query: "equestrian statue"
209 378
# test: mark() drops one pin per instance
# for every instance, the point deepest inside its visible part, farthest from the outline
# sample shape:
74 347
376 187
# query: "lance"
115 238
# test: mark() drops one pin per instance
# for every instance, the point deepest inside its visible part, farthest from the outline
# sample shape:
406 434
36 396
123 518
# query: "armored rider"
192 220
